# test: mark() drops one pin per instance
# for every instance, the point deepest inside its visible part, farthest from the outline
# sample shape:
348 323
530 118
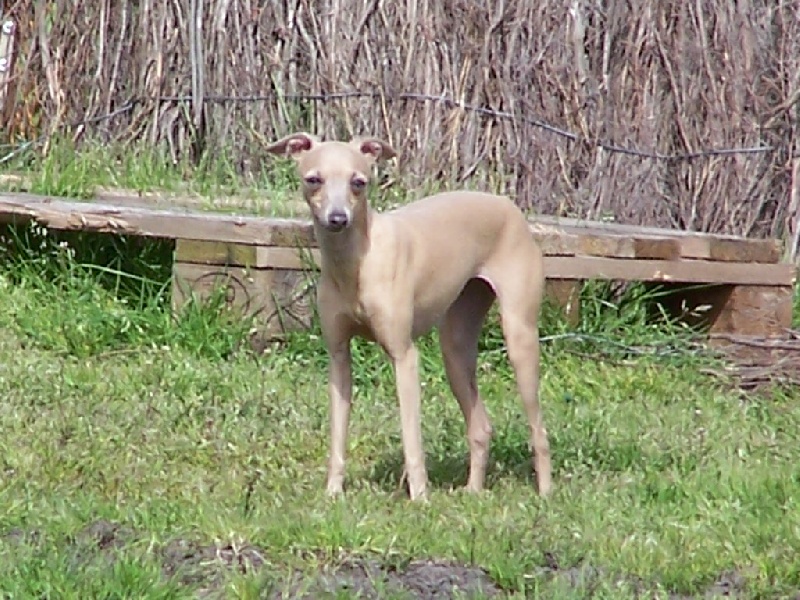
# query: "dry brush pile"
460 87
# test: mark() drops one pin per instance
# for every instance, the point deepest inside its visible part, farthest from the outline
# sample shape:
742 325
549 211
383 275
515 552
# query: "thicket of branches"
668 77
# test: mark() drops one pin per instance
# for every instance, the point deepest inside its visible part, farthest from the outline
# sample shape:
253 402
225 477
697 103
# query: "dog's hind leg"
520 299
458 335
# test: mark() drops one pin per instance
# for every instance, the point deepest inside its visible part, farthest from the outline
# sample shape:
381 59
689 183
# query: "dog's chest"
378 319
351 304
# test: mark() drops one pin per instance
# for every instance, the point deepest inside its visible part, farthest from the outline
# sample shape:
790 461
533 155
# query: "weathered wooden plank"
567 223
597 267
176 224
684 271
556 240
7 88
753 251
656 248
217 253
669 244
557 245
726 248
575 241
281 257
626 241
616 246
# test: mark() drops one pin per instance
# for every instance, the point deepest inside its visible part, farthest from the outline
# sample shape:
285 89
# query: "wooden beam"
7 88
556 267
679 271
566 295
226 254
594 238
568 224
175 224
280 299
756 311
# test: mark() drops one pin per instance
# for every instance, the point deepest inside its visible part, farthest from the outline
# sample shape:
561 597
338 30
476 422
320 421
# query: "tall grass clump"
85 294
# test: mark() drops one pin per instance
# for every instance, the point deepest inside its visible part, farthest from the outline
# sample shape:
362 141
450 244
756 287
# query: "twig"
755 342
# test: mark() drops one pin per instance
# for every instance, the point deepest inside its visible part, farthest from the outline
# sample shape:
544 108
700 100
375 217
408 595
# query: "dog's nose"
337 219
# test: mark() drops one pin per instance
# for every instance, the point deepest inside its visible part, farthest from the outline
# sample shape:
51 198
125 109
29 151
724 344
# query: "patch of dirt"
438 580
103 535
418 579
580 577
206 567
730 584
99 542
18 537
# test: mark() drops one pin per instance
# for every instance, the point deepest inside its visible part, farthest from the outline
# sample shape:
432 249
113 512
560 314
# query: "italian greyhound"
391 277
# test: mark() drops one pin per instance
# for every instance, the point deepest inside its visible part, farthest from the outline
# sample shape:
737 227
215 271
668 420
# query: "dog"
391 277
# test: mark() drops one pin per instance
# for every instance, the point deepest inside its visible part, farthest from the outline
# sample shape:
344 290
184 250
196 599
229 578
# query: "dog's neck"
343 252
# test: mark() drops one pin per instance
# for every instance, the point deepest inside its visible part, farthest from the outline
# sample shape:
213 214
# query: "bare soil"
206 567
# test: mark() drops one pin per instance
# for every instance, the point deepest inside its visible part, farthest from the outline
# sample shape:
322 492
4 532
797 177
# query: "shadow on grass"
575 448
509 458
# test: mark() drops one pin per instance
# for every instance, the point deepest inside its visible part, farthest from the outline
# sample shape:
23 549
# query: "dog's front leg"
340 388
406 368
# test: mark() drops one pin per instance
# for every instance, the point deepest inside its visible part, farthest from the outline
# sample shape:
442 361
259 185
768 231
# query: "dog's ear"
374 148
293 145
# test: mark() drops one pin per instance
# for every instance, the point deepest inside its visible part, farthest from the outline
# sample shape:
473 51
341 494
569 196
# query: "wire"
574 137
417 97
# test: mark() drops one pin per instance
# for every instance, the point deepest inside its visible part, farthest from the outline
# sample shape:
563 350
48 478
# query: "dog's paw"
334 489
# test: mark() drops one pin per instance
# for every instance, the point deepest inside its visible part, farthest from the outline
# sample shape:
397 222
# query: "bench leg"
744 310
761 311
281 300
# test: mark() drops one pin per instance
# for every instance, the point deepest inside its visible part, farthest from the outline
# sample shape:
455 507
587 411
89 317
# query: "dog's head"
335 174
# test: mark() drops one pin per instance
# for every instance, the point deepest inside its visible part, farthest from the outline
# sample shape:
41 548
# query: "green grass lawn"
144 456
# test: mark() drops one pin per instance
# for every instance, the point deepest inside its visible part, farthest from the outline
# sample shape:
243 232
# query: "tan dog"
392 277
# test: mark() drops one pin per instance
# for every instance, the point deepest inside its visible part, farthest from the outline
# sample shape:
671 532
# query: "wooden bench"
739 286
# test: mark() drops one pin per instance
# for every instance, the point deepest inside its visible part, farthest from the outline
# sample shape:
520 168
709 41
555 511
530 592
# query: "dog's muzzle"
337 220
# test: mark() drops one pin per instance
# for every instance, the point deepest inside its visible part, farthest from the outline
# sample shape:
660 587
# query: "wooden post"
6 69
197 61
793 214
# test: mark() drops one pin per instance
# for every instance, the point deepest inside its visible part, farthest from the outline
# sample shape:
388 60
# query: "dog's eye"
358 183
313 180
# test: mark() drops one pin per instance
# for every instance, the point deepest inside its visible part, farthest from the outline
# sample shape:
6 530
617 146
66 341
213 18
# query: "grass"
156 457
